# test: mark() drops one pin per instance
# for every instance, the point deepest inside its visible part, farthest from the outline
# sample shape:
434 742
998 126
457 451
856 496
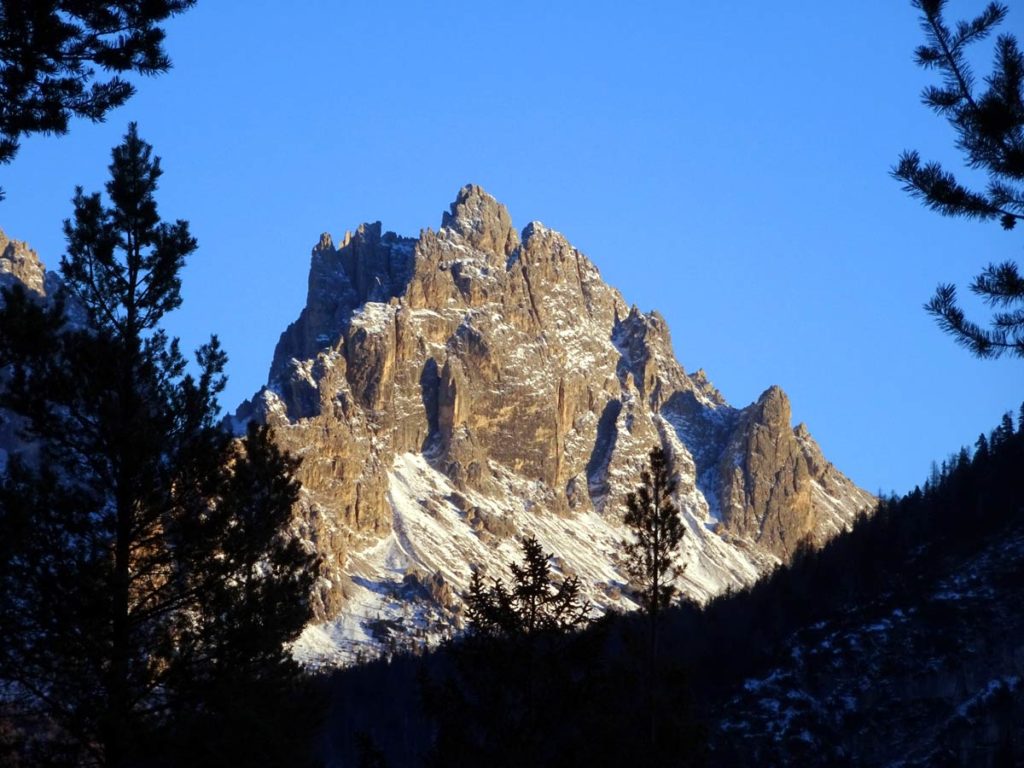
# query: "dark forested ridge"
899 642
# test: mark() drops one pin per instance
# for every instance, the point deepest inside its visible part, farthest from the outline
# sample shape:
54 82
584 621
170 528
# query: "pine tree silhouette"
990 133
654 518
533 602
146 572
50 51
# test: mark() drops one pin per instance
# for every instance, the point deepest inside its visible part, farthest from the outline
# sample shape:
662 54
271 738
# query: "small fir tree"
532 603
654 519
981 453
503 700
1005 428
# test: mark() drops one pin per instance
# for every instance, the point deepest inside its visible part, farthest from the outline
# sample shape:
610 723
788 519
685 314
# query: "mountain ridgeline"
452 392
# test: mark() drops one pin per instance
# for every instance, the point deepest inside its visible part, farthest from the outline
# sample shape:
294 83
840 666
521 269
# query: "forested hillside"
899 642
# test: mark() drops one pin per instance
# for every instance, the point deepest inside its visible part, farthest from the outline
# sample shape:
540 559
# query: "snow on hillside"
405 590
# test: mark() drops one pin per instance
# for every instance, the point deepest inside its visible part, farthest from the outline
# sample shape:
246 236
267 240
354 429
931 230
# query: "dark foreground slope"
900 643
916 680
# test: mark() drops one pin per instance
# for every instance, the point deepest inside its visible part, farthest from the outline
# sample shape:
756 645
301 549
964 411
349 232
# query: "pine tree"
504 699
1006 427
990 132
654 518
655 521
533 603
147 572
963 459
49 53
981 453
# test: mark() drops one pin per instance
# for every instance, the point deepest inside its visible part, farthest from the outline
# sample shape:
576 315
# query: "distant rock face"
20 264
450 392
774 485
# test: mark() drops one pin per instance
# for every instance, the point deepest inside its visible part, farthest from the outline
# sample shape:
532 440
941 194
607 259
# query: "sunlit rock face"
451 393
20 264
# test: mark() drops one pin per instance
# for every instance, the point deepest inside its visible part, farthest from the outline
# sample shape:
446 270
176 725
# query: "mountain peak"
453 392
482 221
773 406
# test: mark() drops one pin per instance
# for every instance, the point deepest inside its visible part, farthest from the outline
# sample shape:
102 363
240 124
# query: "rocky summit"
452 393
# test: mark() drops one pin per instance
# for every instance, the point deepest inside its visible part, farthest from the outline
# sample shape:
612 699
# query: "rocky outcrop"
766 480
496 372
365 267
19 264
787 494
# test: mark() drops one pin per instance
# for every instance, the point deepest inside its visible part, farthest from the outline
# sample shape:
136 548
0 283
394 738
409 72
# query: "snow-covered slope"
404 590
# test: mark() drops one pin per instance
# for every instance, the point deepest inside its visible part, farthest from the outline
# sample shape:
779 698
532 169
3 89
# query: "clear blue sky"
724 163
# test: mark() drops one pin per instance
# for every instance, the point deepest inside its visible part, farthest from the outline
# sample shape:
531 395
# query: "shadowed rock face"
498 355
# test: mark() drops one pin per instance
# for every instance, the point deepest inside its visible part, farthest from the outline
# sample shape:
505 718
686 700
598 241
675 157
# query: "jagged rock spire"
482 221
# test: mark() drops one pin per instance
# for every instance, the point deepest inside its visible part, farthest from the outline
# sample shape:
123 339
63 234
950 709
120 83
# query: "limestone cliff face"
766 478
500 361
